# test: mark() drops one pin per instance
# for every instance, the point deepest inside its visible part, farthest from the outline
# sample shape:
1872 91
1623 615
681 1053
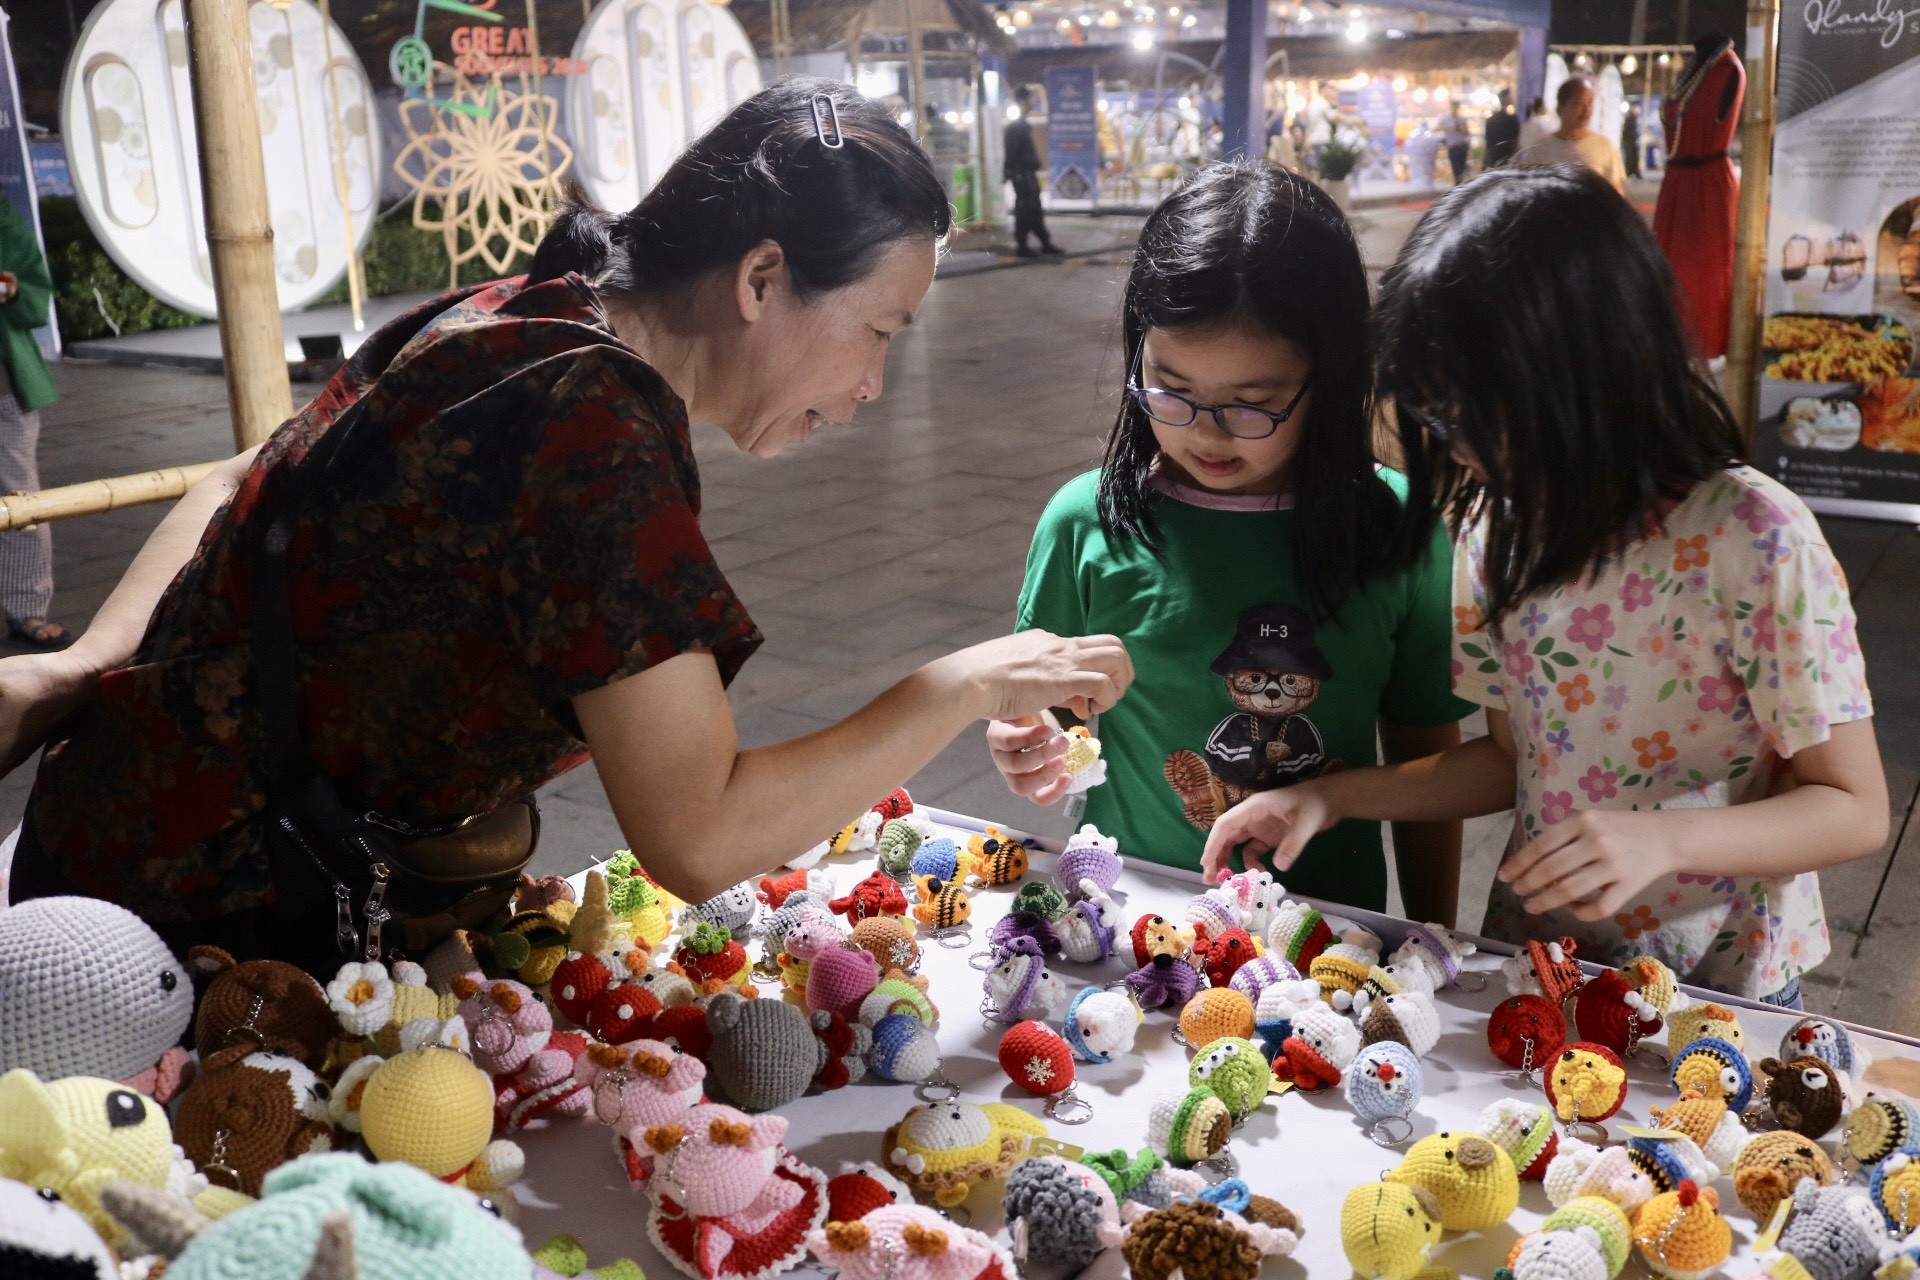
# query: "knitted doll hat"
1680 1233
1298 934
1474 1180
1805 1094
1216 1013
1834 1232
1408 1018
764 1053
1384 1082
1089 866
1019 985
1772 1165
1236 1071
1525 1131
1604 1218
89 990
1186 1128
1220 955
1387 1229
1210 916
1821 1038
1089 931
1101 1023
1259 973
1878 1127
1714 1069
1586 1082
1702 1020
1526 1031
1895 1184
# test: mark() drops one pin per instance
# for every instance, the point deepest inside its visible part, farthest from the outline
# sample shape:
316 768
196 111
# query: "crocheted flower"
361 996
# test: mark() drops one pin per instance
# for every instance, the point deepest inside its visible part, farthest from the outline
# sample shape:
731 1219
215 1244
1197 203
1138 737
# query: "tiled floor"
877 548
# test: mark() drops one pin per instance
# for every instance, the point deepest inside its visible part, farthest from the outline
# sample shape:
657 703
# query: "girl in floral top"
1677 705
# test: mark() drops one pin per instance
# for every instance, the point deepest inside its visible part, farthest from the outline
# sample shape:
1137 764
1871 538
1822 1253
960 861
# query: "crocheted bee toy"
1387 1229
943 903
1714 1069
1101 1024
635 1087
1237 1073
908 1242
1702 1020
1019 985
328 1217
1525 1131
1473 1180
994 859
251 1116
1383 1086
728 1199
942 1149
1805 1094
1526 1031
1225 1234
1214 1013
1895 1184
1186 1128
1585 1239
1770 1166
1089 866
1681 1234
1060 1213
1587 1082
91 990
1821 1038
429 1107
1319 1050
1834 1233
73 1136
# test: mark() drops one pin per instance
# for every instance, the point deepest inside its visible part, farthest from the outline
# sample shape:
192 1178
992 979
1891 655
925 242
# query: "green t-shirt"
1222 606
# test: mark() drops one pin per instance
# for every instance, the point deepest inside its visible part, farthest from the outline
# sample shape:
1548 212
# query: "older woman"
476 559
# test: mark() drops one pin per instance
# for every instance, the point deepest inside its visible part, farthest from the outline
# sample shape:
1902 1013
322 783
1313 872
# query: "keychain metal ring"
1588 1131
1068 1107
1180 1038
1475 987
1223 1163
1392 1131
948 1089
973 961
1758 1118
953 937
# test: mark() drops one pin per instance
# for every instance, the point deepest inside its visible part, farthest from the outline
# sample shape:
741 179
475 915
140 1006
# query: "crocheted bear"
1771 1166
249 1117
260 1006
1806 1094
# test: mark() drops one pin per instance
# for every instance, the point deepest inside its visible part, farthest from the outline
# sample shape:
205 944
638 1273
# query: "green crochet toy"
566 1257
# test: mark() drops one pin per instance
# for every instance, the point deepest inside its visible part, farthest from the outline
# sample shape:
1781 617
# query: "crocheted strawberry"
711 955
879 894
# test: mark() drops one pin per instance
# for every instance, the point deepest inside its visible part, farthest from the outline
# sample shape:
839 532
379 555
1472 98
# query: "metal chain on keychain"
1586 1130
1068 1107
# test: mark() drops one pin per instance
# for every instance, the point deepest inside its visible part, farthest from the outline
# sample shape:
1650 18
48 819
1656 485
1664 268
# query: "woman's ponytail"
580 240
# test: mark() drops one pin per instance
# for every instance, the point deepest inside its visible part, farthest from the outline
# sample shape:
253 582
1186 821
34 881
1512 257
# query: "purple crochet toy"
1164 980
1020 987
1025 924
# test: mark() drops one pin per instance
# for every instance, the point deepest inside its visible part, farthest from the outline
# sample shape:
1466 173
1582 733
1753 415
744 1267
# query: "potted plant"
1335 164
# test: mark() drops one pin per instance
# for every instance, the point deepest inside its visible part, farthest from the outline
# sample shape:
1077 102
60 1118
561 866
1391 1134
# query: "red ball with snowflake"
1037 1059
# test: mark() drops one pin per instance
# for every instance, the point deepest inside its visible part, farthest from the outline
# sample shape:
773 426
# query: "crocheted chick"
1159 936
1089 866
73 1136
729 1200
1834 1233
1878 1127
251 1116
91 990
1388 1228
1822 1038
942 1149
1586 1082
1237 1073
1101 1024
1059 1213
1433 951
1315 1056
1586 1239
1298 934
1805 1094
1582 1169
1215 1013
43 1238
1525 1131
429 1107
908 1242
943 903
994 859
1384 1082
1714 1069
1083 763
1199 1241
1474 1181
330 1217
1186 1128
1702 1020
1772 1165
1895 1185
1342 967
1681 1234
1716 1130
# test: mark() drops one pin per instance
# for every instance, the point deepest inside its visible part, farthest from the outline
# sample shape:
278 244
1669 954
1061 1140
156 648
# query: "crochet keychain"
1039 1061
1680 1233
730 1202
1214 1013
1090 866
1586 1084
1019 985
1436 954
1526 1031
995 859
944 910
1102 1022
905 1051
1384 1085
943 1149
1238 1074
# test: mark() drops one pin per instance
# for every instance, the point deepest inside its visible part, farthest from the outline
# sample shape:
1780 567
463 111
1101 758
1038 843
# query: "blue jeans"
1787 997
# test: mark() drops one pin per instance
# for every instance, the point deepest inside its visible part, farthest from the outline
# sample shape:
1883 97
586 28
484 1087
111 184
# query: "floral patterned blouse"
1678 676
516 523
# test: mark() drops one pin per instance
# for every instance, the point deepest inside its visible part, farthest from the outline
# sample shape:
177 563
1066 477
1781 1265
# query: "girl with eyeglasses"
1239 538
1677 705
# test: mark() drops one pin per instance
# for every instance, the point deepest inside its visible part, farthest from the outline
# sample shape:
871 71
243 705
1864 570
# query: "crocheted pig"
636 1086
909 1242
729 1200
515 1043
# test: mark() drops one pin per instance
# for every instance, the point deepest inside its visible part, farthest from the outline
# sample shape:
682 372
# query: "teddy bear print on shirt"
1274 672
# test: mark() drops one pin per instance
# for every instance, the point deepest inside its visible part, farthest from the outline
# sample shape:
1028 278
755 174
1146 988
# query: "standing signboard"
1073 138
16 170
1839 391
1379 113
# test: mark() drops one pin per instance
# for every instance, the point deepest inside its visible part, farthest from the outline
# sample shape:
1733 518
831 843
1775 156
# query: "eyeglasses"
1241 421
1442 431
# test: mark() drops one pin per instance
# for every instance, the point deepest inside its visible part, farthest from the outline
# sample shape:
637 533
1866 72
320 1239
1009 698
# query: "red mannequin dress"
1700 195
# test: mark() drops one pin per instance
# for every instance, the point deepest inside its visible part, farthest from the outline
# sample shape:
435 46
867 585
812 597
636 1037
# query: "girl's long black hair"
1533 314
1245 242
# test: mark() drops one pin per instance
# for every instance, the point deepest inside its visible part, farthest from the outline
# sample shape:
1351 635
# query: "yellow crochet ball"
431 1108
1216 1014
1474 1181
1388 1229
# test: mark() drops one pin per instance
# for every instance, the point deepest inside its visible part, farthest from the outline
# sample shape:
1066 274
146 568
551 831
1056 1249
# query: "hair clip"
826 122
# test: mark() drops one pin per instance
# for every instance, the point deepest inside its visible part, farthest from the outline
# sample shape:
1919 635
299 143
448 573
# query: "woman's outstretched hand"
1027 673
36 691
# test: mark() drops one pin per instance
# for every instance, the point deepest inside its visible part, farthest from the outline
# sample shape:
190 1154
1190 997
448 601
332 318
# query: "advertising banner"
1073 138
1379 112
1839 390
16 171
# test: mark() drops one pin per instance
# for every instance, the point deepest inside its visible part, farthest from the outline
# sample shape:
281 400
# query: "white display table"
1306 1150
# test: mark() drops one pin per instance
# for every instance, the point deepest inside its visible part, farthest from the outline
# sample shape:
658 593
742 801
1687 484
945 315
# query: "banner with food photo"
1839 388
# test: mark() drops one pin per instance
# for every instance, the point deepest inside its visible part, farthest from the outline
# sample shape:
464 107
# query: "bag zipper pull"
345 937
376 911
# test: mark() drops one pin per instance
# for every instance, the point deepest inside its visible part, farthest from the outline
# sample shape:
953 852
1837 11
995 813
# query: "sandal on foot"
39 633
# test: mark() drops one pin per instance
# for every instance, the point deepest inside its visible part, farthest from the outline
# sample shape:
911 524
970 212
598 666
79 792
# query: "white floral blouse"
1678 676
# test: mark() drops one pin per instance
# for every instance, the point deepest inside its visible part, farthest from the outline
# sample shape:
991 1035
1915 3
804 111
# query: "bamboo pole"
1750 235
917 63
233 179
24 510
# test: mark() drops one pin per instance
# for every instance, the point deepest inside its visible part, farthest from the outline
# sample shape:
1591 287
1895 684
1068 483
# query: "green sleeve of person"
26 310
